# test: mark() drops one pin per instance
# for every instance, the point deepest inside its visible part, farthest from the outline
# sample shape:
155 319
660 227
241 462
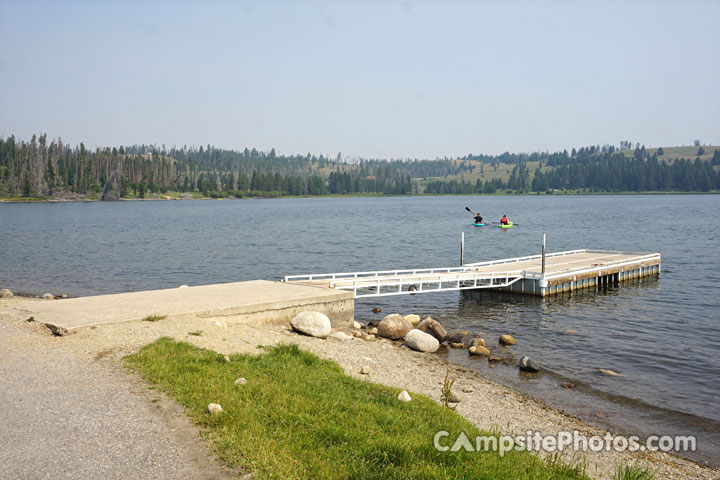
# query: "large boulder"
412 318
394 327
433 327
421 341
315 324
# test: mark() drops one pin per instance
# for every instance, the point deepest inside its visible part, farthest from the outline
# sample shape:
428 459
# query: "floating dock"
541 275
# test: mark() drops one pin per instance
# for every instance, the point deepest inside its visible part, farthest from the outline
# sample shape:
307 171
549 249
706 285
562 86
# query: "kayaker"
504 221
478 218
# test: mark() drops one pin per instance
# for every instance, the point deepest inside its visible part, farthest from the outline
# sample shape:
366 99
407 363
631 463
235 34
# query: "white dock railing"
423 280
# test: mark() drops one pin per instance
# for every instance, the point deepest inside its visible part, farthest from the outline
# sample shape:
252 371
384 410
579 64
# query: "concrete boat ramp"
259 300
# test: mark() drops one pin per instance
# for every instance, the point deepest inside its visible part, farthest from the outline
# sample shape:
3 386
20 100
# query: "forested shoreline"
52 169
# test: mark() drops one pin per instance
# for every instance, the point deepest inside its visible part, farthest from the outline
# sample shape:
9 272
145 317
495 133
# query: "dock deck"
564 271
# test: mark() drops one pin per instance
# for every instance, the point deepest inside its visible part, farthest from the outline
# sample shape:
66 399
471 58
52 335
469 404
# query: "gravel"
73 412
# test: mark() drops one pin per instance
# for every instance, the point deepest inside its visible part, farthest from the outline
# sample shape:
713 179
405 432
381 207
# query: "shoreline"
359 195
492 406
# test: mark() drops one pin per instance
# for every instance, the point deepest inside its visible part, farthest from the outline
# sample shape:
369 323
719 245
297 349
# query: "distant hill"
42 169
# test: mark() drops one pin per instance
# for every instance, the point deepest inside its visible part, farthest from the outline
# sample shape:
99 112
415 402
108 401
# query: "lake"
662 334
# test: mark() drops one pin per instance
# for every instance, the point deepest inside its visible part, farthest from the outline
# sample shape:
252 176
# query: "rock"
369 336
358 334
63 295
611 373
214 408
227 358
394 327
315 324
377 310
454 397
456 337
412 318
468 389
404 396
478 350
341 336
567 385
183 286
5 293
57 330
526 365
365 370
357 326
570 331
494 359
373 331
457 345
477 342
507 340
48 296
240 381
433 327
421 341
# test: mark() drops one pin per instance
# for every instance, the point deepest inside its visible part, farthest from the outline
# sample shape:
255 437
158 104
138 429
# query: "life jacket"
504 221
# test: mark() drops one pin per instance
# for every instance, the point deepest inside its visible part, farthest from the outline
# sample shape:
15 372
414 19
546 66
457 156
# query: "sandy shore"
490 406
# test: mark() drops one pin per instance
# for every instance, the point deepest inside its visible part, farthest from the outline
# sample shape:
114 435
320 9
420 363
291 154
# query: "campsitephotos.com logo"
537 442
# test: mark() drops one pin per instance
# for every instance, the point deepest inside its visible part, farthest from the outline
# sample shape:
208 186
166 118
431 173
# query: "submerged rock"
611 373
421 341
377 310
394 327
315 324
507 340
526 365
478 351
457 345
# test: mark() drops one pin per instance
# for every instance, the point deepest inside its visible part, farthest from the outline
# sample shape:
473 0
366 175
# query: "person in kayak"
478 218
504 221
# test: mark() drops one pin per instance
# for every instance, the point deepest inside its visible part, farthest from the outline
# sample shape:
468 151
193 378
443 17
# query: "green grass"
627 472
301 417
154 318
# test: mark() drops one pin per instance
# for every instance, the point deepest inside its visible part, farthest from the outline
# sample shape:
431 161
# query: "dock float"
258 301
540 275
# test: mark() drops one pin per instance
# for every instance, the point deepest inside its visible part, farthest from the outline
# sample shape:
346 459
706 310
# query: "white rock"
48 296
227 358
214 408
240 381
468 389
315 324
404 396
341 336
611 373
183 286
412 318
421 341
5 293
357 325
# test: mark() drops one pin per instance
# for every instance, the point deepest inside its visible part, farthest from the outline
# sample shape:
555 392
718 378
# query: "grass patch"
301 417
627 472
196 333
30 319
154 318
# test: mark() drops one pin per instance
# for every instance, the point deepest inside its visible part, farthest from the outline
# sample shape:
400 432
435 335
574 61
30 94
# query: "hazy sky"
373 79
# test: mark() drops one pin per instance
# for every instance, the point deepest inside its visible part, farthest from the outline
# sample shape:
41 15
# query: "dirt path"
93 356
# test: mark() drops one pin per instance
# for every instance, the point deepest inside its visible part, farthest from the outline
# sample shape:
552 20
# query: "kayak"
478 224
509 225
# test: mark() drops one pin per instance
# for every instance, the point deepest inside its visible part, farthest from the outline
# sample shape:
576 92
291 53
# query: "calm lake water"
662 333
